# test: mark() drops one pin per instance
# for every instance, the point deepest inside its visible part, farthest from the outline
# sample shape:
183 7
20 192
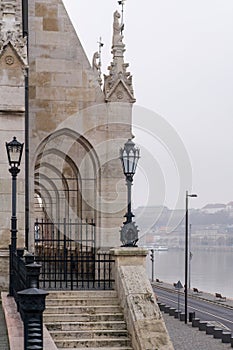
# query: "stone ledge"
129 251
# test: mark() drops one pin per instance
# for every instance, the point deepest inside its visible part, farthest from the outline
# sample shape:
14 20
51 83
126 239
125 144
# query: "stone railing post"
31 306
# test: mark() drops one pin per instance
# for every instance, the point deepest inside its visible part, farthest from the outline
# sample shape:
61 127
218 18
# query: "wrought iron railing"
69 259
29 298
25 272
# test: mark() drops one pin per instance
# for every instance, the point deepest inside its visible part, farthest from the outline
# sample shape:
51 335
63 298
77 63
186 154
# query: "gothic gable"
10 59
11 32
11 80
119 92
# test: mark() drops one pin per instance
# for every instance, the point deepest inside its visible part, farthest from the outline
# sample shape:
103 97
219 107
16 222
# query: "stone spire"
11 32
118 84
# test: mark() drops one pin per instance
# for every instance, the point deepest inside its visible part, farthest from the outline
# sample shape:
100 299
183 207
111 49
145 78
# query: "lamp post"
152 264
190 255
192 195
129 156
14 154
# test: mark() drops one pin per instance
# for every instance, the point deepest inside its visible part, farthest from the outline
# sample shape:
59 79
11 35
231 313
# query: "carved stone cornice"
118 84
11 32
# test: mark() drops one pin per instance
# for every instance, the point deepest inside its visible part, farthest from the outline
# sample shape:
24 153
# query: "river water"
211 271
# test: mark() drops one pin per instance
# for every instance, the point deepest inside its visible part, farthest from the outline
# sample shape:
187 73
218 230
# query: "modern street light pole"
152 265
26 120
14 153
129 156
186 254
190 255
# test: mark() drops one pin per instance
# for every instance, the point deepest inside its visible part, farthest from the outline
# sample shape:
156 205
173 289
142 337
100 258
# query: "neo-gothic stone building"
73 128
71 189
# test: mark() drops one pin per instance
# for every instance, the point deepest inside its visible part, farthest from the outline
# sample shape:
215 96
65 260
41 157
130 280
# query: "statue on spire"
117 30
118 84
96 66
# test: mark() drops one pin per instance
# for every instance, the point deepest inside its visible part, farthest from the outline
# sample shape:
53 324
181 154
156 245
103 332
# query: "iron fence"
69 259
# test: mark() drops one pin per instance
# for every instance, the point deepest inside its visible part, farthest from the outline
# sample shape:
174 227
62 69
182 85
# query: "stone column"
143 317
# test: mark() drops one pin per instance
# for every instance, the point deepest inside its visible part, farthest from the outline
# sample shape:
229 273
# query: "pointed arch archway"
69 164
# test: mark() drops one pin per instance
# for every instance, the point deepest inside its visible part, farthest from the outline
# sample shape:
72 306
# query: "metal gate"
67 252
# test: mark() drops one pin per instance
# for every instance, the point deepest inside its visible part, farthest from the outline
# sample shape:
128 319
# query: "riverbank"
225 302
210 271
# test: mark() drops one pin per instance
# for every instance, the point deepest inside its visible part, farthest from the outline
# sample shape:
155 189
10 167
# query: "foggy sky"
181 55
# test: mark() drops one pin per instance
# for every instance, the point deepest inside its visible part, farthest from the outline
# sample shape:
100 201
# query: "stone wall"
144 319
72 125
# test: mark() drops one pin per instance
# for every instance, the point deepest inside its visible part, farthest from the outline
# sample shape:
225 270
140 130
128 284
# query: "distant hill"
158 216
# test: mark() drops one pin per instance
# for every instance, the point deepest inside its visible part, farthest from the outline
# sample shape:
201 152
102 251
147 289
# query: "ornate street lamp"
14 153
129 156
192 195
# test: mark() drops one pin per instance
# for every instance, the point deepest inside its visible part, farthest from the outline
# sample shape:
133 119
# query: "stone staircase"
86 319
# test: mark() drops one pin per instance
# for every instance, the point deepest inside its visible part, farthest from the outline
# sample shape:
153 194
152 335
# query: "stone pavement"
185 337
4 345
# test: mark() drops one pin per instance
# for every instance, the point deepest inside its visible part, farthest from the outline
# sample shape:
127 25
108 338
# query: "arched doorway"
66 186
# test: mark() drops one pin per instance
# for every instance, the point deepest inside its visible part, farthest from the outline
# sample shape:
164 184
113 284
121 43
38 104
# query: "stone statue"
96 66
117 28
95 63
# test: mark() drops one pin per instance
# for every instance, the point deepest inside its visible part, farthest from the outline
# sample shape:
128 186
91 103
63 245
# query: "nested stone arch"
65 183
70 162
45 184
55 174
42 195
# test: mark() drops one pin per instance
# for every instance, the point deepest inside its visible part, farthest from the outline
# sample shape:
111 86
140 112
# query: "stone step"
102 348
82 294
81 302
86 319
75 326
48 318
82 309
93 343
89 334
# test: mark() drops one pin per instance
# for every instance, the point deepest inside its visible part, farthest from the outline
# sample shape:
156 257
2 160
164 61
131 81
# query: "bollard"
226 337
210 329
31 307
202 325
172 311
167 309
177 313
217 333
191 316
195 322
182 316
162 306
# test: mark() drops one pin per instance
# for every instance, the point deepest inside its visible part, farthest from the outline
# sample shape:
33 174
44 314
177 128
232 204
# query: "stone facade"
76 128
